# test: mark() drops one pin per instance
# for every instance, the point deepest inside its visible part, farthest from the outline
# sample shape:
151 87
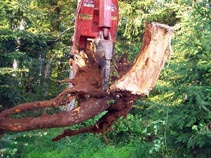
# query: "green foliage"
133 17
176 116
31 57
8 41
37 144
174 121
184 90
28 52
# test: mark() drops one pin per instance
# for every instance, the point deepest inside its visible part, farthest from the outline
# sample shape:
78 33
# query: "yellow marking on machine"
114 17
85 16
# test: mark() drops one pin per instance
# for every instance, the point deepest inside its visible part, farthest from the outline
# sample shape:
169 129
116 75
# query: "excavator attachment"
104 52
97 20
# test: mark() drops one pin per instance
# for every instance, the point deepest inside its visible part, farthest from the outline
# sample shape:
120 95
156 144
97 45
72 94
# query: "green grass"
130 138
37 144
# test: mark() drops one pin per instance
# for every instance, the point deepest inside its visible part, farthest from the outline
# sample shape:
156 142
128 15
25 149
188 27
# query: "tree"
181 97
141 78
40 50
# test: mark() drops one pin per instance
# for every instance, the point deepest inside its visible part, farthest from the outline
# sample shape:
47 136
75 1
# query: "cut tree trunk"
137 82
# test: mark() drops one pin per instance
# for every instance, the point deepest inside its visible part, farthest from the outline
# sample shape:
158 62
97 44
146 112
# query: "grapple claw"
103 53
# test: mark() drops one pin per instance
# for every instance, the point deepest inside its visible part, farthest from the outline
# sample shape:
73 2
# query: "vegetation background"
173 122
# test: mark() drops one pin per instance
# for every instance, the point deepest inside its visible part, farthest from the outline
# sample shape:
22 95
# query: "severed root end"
142 77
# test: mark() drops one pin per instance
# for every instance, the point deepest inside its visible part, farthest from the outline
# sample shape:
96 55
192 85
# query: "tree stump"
137 82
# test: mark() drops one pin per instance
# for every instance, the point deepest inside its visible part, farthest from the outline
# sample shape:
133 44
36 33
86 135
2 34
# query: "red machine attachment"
97 20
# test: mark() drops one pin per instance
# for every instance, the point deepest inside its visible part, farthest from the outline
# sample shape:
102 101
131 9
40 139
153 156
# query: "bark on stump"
137 82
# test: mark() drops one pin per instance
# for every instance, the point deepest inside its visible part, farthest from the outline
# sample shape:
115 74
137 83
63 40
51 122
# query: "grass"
37 144
129 139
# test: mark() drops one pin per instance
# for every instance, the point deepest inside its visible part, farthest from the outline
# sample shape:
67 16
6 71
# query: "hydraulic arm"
97 20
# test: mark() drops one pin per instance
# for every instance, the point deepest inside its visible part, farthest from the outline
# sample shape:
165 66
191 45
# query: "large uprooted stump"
135 80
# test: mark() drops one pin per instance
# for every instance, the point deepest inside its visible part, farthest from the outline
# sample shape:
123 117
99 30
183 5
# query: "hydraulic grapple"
97 20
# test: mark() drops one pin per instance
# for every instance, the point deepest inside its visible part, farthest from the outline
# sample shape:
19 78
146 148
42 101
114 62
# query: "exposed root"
132 84
120 108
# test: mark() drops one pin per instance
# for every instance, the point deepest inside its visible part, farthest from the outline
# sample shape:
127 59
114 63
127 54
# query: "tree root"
92 100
